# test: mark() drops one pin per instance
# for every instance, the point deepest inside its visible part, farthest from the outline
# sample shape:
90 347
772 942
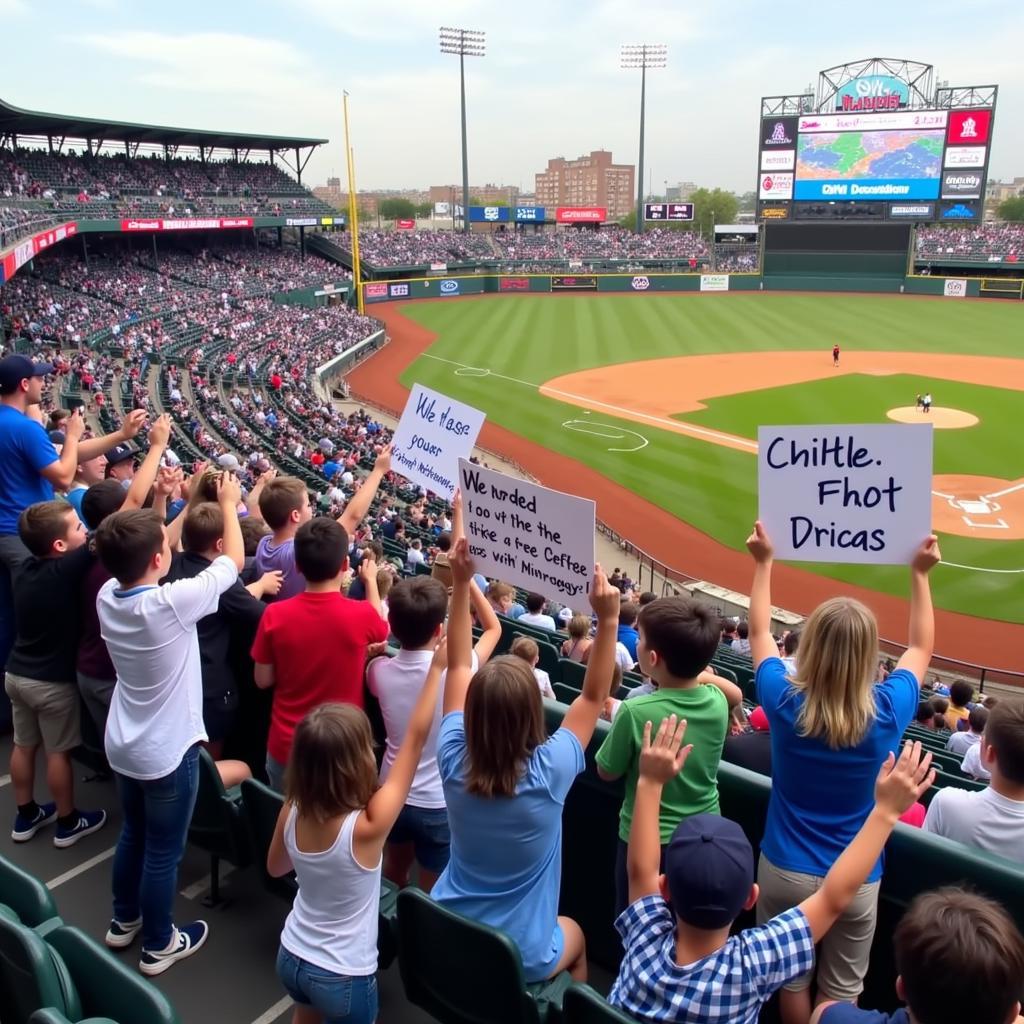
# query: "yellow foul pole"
353 212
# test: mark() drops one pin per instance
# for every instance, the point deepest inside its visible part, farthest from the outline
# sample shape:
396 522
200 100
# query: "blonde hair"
526 648
835 666
579 627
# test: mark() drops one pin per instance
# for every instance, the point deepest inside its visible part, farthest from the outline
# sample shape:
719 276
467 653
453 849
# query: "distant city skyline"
549 85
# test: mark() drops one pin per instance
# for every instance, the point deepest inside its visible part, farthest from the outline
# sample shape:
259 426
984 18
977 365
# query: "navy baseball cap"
120 453
15 369
709 867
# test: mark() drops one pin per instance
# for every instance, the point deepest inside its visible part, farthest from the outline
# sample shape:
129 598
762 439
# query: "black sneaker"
184 942
25 828
88 822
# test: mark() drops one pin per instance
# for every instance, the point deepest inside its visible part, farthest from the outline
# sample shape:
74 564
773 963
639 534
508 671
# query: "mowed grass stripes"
531 339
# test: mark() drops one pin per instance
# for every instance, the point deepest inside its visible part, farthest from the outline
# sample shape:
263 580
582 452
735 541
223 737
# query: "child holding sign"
831 725
505 783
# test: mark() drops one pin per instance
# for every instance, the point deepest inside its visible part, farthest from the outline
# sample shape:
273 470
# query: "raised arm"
762 646
733 694
252 502
488 619
360 503
660 762
585 710
900 783
61 472
229 494
368 574
145 475
373 827
99 445
460 629
921 631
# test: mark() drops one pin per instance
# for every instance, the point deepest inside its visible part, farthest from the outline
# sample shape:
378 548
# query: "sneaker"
184 942
121 934
88 822
25 828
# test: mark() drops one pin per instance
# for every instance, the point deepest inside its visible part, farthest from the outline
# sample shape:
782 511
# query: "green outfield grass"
525 341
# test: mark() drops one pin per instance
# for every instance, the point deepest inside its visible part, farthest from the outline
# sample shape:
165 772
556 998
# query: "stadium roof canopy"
15 121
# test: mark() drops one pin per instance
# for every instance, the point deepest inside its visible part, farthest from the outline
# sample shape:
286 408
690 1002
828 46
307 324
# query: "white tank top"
333 922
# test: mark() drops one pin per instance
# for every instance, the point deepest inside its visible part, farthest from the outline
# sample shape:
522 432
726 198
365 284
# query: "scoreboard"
928 164
668 211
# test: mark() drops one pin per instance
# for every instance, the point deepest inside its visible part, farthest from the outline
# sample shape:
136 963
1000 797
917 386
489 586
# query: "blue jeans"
152 841
338 998
275 774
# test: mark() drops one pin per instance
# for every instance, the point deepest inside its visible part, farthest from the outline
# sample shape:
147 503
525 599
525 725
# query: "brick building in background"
592 180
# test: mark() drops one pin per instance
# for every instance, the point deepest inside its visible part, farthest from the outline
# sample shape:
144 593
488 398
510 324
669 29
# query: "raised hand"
604 598
383 461
902 781
460 562
458 516
160 431
74 425
229 490
759 544
133 423
927 555
270 582
167 479
368 567
440 658
662 758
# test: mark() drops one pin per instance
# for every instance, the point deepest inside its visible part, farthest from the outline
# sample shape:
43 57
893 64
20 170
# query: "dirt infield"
938 416
978 506
676 543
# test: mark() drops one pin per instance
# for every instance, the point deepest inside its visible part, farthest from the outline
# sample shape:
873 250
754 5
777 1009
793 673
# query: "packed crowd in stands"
989 240
173 557
405 248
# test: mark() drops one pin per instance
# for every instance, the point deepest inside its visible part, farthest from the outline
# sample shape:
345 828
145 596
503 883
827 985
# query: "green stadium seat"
465 972
49 1015
29 898
571 673
106 987
582 1005
217 824
32 975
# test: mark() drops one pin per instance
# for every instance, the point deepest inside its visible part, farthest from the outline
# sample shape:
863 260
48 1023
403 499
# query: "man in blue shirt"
628 635
30 467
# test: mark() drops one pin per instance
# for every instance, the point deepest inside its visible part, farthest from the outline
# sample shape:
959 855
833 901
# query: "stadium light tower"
464 43
643 56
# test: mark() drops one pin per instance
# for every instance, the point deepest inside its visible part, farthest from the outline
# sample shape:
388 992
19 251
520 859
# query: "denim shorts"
427 829
339 999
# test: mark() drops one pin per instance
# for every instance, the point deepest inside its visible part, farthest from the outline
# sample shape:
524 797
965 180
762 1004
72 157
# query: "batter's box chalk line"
608 431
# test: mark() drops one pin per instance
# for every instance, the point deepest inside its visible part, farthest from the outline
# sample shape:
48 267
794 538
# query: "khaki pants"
842 960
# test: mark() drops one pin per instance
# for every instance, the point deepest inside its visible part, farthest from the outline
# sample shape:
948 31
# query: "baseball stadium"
201 355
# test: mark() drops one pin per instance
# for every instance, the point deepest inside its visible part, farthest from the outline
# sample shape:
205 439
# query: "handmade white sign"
847 493
528 535
433 434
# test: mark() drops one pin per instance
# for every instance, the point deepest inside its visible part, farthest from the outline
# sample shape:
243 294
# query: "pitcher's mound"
939 417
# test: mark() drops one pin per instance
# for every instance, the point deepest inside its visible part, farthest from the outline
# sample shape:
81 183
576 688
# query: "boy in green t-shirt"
678 638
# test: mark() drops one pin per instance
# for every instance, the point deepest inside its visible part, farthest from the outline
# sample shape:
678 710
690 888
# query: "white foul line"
80 869
274 1012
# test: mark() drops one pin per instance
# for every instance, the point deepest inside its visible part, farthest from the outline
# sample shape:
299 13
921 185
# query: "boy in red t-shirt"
312 647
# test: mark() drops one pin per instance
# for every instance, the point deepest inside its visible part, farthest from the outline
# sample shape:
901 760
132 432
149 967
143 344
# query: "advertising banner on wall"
375 290
965 156
398 291
301 222
969 127
714 282
912 211
513 284
778 133
775 186
25 250
904 120
778 159
563 283
581 214
186 224
962 185
954 287
873 92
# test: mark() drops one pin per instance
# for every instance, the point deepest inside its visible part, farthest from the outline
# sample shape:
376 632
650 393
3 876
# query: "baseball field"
662 395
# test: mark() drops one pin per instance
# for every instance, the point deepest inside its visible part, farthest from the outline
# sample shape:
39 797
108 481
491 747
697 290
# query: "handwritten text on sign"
527 535
858 493
433 434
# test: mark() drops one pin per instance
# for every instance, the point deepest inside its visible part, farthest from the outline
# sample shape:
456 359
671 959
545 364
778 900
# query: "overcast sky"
550 84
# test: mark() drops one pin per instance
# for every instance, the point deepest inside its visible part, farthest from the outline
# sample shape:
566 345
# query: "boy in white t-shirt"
155 723
417 608
526 648
992 819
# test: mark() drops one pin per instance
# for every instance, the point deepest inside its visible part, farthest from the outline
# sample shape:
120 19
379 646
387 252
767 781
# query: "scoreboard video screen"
925 164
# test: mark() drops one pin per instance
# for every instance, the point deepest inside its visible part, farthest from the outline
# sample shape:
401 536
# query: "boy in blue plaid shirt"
681 963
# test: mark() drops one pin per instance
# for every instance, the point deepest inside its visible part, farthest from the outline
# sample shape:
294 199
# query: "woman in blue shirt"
831 725
505 783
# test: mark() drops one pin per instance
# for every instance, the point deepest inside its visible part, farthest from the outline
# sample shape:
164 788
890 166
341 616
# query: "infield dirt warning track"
675 542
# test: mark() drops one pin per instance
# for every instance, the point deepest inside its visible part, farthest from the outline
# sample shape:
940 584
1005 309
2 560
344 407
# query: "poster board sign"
433 434
528 535
859 493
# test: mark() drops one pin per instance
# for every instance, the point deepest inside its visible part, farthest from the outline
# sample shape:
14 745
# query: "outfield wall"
460 285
